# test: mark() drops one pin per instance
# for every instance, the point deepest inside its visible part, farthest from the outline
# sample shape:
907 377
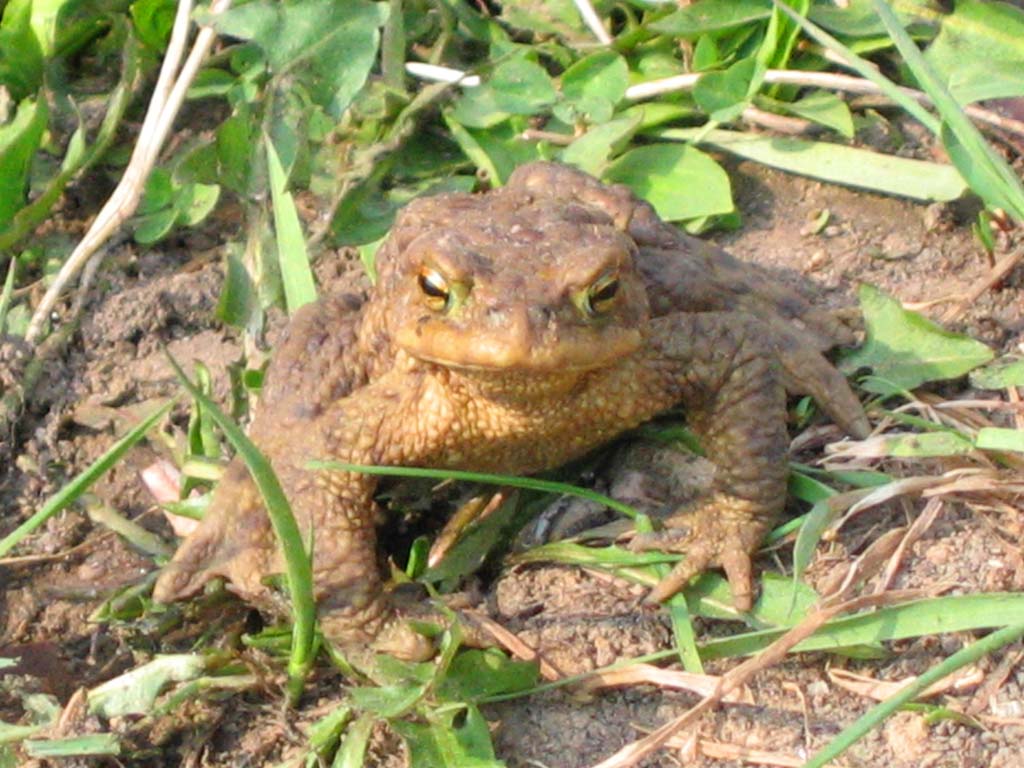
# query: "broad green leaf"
21 51
153 21
592 151
593 86
706 54
195 203
388 700
477 674
979 51
445 742
825 109
838 164
723 95
906 348
238 294
680 181
999 374
857 18
521 86
134 692
296 274
478 108
496 151
19 140
551 18
713 16
334 43
1000 439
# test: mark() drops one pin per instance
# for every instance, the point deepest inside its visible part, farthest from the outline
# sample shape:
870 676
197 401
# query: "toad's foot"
722 532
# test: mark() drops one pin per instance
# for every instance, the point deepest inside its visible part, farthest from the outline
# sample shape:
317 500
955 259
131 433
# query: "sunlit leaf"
908 349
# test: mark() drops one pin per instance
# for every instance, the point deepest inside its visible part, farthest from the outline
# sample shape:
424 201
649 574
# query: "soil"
115 369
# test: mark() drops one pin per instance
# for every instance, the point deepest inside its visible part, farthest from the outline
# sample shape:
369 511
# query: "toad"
510 332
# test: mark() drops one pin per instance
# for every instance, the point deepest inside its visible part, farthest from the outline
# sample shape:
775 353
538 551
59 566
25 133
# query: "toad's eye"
600 296
436 291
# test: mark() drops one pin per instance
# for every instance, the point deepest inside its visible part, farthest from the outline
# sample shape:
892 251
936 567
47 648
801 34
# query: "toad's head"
502 284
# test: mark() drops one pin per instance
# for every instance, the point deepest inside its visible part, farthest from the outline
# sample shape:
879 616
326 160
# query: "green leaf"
979 51
477 674
496 151
334 44
931 616
592 151
21 51
1000 439
925 445
1000 374
153 20
723 95
5 294
19 140
521 87
712 16
908 349
296 274
134 692
680 181
594 85
352 752
850 166
237 299
825 109
454 737
93 744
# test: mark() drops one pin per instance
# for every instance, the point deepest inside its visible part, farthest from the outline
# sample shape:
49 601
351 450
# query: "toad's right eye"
436 292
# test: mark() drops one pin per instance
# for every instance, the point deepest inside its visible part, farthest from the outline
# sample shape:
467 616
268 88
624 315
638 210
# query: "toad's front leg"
721 368
334 509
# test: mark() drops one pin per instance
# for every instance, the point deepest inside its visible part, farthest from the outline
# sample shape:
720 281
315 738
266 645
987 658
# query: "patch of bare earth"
115 368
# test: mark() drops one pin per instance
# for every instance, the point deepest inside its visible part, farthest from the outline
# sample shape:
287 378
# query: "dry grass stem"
829 81
648 674
739 676
169 93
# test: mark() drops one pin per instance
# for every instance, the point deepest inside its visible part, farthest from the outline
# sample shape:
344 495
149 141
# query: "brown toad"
512 331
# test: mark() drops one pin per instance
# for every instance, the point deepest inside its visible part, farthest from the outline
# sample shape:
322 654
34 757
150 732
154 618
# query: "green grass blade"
874 716
988 174
835 163
958 613
81 483
864 68
5 294
529 483
296 275
298 569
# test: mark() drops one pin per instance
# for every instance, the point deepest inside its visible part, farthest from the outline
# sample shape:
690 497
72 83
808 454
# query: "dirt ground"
115 368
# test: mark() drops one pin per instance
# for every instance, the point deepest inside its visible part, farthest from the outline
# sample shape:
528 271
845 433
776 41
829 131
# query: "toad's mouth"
503 350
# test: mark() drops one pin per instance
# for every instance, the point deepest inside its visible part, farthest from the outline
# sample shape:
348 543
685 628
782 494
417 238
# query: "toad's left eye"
601 295
434 286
